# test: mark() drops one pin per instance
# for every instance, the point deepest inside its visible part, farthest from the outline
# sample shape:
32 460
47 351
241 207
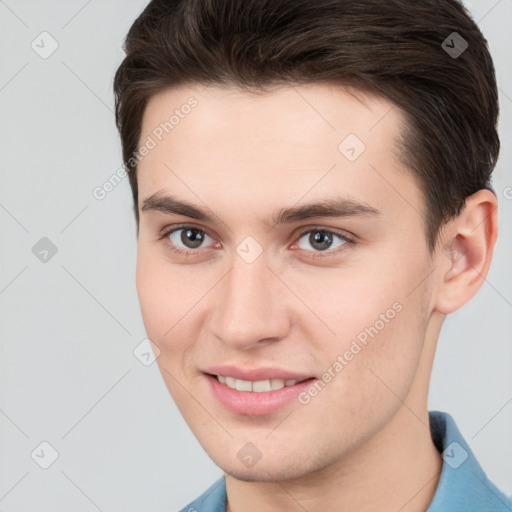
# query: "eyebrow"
337 206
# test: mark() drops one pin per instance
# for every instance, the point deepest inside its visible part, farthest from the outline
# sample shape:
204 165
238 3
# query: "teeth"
261 385
243 385
257 386
277 383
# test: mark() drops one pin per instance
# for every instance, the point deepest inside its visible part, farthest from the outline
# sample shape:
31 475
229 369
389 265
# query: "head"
311 184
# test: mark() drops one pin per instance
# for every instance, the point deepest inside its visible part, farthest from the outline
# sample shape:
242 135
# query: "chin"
276 470
262 475
249 476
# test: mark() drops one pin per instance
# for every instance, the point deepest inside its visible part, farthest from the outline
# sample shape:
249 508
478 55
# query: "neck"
398 469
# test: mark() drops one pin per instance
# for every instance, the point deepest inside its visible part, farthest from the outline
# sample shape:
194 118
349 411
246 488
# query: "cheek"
164 301
164 305
351 302
379 328
371 379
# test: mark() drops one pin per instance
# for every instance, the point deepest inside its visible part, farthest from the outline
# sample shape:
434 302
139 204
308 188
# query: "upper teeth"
258 386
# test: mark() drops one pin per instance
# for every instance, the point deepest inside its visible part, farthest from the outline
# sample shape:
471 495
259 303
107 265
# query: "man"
311 183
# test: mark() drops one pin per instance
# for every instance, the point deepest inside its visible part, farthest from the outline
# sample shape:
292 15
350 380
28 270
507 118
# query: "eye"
323 239
188 239
185 239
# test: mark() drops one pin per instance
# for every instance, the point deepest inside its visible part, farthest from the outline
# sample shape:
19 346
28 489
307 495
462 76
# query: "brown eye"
192 238
186 237
321 240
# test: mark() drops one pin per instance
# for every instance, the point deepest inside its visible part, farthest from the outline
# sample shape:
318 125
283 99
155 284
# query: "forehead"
286 141
327 109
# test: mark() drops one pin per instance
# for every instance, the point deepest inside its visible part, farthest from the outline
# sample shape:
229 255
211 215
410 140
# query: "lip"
255 404
253 374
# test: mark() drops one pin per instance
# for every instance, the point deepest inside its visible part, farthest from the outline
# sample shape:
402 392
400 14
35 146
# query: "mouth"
257 386
256 397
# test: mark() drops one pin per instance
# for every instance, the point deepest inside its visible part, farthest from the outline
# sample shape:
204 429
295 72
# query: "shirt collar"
463 484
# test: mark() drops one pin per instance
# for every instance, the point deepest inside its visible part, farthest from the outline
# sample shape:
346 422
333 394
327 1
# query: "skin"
363 442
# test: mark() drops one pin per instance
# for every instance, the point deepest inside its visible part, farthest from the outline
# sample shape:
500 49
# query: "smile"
258 386
255 397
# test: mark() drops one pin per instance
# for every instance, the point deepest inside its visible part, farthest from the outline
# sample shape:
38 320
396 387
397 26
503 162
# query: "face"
257 286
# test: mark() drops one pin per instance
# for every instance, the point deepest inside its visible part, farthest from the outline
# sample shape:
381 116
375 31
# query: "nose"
252 306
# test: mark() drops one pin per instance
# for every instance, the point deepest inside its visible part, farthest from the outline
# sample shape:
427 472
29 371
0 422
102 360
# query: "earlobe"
467 247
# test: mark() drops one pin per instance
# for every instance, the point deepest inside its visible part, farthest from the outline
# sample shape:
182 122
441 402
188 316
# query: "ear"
464 251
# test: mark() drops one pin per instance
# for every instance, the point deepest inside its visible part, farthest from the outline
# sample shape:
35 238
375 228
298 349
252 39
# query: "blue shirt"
462 487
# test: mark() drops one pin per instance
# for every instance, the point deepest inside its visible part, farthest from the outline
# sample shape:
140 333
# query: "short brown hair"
450 141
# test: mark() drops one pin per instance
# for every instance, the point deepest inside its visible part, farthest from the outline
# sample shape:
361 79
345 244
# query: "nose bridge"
251 306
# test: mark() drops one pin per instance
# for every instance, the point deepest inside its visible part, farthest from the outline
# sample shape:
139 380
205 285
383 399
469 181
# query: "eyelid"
315 227
167 230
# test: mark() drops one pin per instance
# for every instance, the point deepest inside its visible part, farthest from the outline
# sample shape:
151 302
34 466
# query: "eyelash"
315 254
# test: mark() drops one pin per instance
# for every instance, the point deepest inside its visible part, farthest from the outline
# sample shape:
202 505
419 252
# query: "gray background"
68 375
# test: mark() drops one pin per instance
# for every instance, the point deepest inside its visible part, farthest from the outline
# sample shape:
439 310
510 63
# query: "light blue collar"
463 484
